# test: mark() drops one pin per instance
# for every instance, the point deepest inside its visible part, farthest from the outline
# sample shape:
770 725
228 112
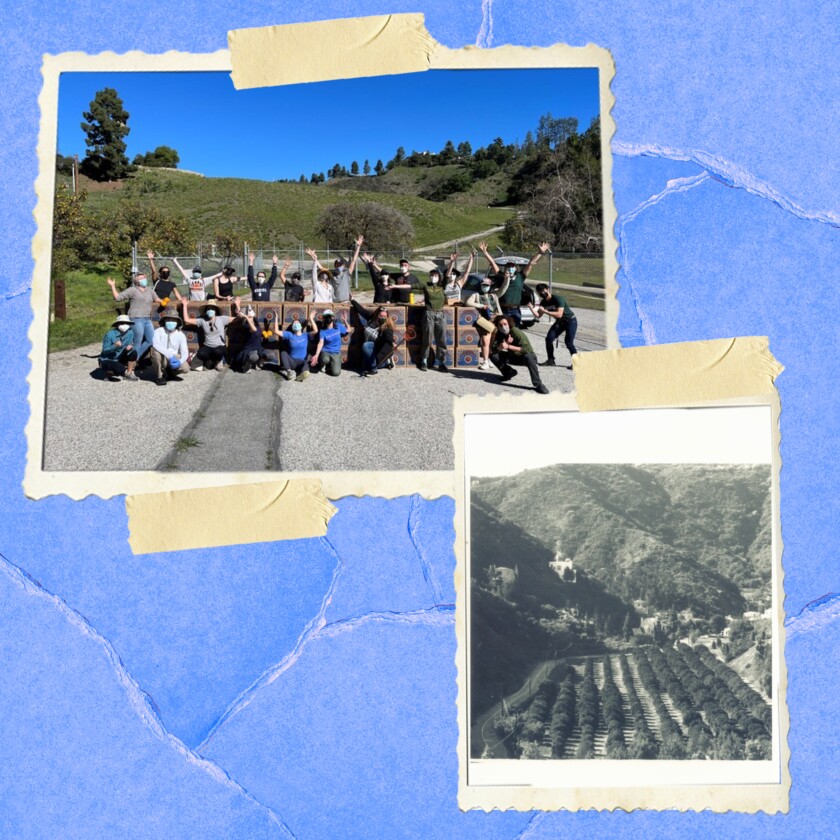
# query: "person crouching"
118 356
169 353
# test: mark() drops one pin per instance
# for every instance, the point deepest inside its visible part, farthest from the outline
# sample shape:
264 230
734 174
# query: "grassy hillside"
271 213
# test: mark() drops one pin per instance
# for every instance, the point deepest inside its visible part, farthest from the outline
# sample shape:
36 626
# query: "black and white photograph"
620 597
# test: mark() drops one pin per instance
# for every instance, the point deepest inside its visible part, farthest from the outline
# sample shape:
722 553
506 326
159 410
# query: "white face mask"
123 328
485 290
504 330
404 269
434 279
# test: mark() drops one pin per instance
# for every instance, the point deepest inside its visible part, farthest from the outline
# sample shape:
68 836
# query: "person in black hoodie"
379 340
380 278
261 288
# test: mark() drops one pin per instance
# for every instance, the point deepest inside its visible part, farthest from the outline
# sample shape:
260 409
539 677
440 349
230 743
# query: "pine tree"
354 168
366 167
106 126
379 168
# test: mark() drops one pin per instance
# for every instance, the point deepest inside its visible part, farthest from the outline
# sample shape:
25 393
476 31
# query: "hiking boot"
541 389
304 374
508 374
547 363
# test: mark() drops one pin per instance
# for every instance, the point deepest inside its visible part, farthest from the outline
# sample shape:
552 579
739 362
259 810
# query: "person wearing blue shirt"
295 358
118 356
328 352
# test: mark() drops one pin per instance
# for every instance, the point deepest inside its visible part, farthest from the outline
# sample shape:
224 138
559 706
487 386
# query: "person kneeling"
169 351
508 344
328 352
118 356
295 358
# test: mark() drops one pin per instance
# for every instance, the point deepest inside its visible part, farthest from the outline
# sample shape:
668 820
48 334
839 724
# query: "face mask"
143 283
164 275
261 279
123 328
296 328
485 289
170 326
210 313
196 276
434 279
404 269
504 330
510 272
382 319
336 272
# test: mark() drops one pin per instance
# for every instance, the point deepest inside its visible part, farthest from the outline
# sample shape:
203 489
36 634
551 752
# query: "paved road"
397 420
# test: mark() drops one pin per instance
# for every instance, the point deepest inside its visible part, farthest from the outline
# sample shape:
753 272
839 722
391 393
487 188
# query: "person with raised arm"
342 272
141 301
211 354
261 288
379 341
511 299
247 339
322 288
511 344
379 277
196 282
454 283
434 324
486 302
328 352
295 355
292 289
162 283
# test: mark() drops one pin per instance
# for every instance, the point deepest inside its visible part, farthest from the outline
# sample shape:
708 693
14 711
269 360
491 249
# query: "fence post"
60 302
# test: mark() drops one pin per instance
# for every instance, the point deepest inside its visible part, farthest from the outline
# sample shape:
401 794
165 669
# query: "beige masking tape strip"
675 374
212 516
350 48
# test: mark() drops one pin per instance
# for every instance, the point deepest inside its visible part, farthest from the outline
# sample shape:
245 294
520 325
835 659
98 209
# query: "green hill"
281 213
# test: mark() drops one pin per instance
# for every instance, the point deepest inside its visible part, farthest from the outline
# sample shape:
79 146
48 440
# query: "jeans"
119 364
513 314
560 326
502 360
435 323
144 333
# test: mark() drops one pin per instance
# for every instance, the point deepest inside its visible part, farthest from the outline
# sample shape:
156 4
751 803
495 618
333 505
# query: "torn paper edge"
747 798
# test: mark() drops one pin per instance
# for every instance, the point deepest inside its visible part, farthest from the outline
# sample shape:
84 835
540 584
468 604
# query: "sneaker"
130 377
220 368
443 368
483 366
112 377
250 370
363 374
372 372
175 378
160 382
424 367
541 389
390 364
289 375
547 363
509 374
304 374
198 367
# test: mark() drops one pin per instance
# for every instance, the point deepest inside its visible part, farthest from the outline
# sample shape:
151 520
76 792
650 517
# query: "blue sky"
283 132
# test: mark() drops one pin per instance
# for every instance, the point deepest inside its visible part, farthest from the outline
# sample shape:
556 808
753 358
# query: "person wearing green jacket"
435 322
511 344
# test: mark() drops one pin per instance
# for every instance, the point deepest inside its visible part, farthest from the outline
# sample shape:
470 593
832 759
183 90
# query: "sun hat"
123 319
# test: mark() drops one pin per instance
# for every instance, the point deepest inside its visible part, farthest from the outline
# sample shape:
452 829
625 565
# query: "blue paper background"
327 665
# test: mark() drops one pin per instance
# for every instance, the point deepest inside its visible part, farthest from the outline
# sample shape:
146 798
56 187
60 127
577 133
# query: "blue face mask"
210 313
296 328
144 282
170 326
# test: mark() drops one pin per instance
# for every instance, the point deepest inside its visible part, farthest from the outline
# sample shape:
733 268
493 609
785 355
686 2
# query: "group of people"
242 342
